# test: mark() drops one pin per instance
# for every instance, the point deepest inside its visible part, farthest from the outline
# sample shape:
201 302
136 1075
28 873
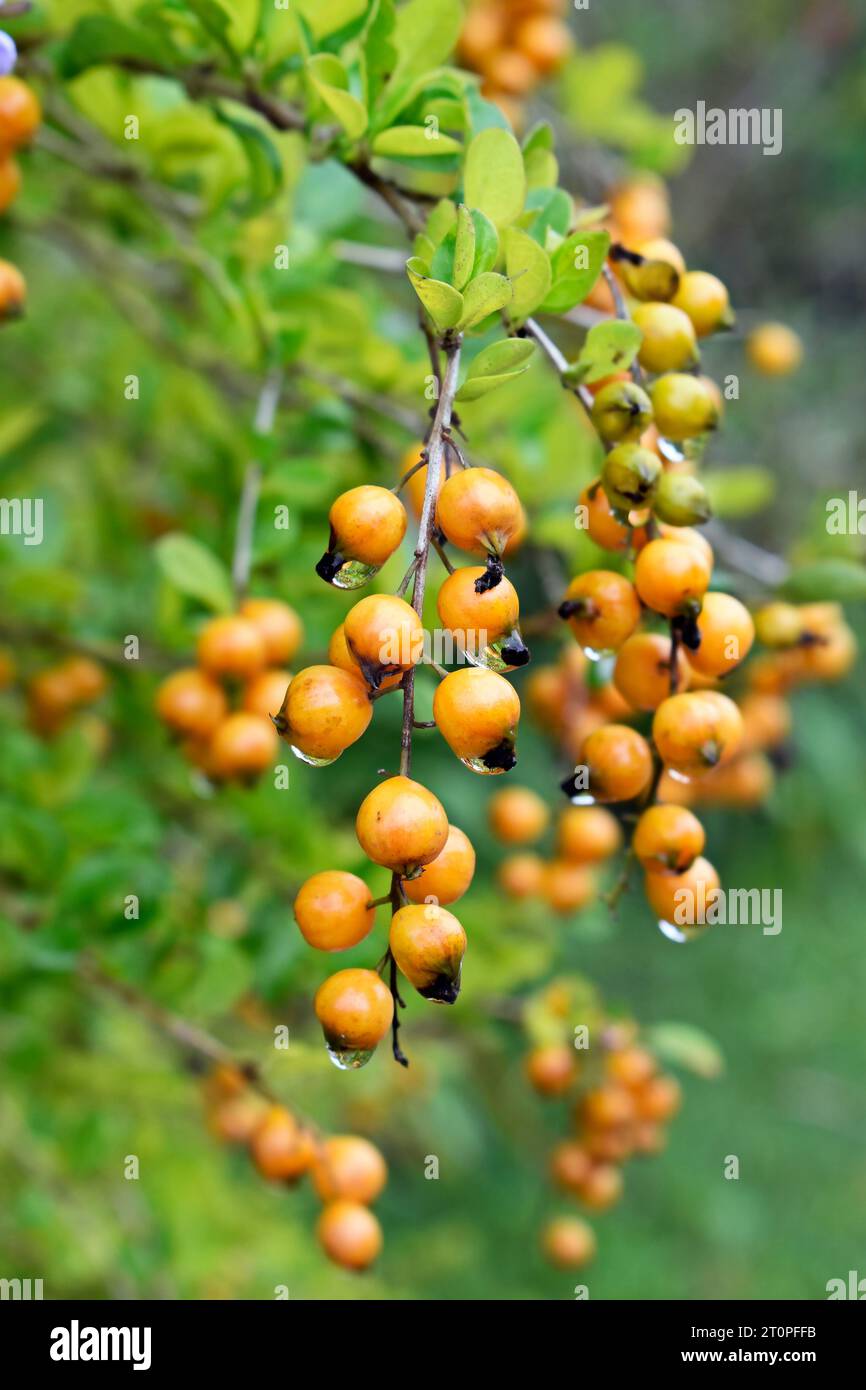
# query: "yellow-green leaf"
494 180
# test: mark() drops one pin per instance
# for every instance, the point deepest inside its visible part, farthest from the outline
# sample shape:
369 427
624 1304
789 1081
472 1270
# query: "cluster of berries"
586 836
619 1102
57 693
242 656
513 45
347 1172
20 115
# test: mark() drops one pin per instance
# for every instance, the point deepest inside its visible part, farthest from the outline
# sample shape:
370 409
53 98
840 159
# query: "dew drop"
348 1059
354 575
313 762
672 933
678 776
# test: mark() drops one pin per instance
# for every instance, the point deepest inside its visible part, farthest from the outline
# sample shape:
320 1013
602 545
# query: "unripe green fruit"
681 500
630 475
621 411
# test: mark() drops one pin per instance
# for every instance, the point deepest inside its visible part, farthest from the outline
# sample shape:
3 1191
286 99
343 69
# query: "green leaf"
609 347
425 35
495 366
486 243
528 267
195 571
18 425
736 492
330 81
494 180
98 39
464 248
577 265
547 209
540 137
826 580
542 169
485 295
441 220
688 1047
380 55
443 303
407 140
266 167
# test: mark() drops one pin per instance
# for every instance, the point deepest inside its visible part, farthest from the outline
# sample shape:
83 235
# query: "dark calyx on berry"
444 989
502 756
330 565
491 576
515 651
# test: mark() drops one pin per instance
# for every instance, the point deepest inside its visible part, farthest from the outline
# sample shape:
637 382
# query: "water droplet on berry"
348 1059
314 762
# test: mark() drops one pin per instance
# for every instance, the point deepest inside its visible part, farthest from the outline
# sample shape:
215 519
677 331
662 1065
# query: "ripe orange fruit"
349 1167
191 703
349 1234
447 877
332 910
278 625
231 646
401 825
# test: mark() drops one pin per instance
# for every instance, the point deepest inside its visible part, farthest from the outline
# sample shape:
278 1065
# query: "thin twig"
263 424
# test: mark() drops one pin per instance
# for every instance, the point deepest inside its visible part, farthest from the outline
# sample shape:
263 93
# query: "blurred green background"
112 293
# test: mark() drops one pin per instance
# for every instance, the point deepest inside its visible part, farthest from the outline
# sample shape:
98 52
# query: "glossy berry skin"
401 825
642 673
10 182
775 349
232 647
697 731
280 1148
671 578
668 338
551 1069
567 887
668 839
384 635
630 475
339 655
705 299
681 500
13 291
191 703
355 1010
265 694
602 609
479 511
349 1234
20 114
495 612
517 815
367 524
521 876
243 747
727 633
278 625
621 411
447 877
477 713
587 834
619 763
350 1168
235 1119
568 1242
332 910
682 899
660 249
683 406
602 526
641 208
687 535
325 710
602 1187
428 944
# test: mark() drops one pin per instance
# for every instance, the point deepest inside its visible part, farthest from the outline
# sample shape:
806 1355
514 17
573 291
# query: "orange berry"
235 1120
668 839
332 910
551 1069
280 1148
477 713
568 1242
668 338
697 731
10 182
705 299
242 747
191 703
660 249
325 710
231 646
727 633
766 721
278 625
587 834
414 487
13 290
640 206
483 30
607 1107
570 1165
746 782
642 673
349 1234
567 887
265 694
602 526
521 875
85 679
671 578
339 655
384 635
602 609
479 511
517 815
545 42
775 349
367 525
350 1168
447 877
619 763
683 899
659 1100
630 1066
401 825
355 1010
479 620
20 114
510 71
687 535
610 1145
602 1187
428 944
